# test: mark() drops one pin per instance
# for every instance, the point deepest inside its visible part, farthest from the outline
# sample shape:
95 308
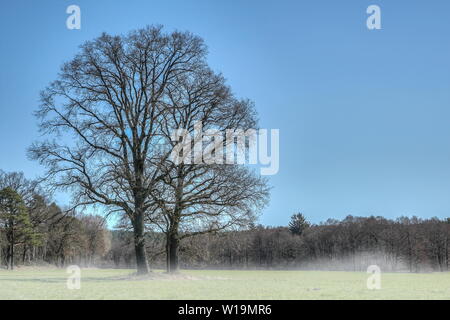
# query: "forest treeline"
34 230
354 243
41 233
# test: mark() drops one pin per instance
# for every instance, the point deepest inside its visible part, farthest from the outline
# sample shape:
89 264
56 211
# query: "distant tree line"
354 243
34 230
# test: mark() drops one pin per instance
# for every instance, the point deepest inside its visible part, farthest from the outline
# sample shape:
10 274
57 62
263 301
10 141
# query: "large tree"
201 192
105 116
205 200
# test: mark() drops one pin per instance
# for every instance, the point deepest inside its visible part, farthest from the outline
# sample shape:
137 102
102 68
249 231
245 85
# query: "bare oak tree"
197 201
104 114
201 196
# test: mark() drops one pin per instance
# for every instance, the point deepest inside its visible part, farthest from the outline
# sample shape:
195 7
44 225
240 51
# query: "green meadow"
220 284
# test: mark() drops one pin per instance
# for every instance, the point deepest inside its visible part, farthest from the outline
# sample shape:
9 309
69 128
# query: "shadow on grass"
152 276
59 280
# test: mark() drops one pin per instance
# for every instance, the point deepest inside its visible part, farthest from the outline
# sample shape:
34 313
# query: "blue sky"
364 116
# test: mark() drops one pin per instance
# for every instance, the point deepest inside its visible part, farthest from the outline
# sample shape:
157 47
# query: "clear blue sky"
364 116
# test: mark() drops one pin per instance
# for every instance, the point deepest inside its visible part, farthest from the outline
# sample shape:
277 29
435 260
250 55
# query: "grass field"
205 284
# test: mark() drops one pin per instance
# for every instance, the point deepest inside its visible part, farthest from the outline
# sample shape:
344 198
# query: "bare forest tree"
111 99
211 199
34 230
107 117
196 197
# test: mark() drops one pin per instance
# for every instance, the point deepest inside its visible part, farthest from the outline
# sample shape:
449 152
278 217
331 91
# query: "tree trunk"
24 254
173 243
8 257
167 252
63 260
139 244
11 262
11 257
447 241
173 239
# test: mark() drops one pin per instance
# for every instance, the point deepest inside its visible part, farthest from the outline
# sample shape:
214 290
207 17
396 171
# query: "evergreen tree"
298 224
15 223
